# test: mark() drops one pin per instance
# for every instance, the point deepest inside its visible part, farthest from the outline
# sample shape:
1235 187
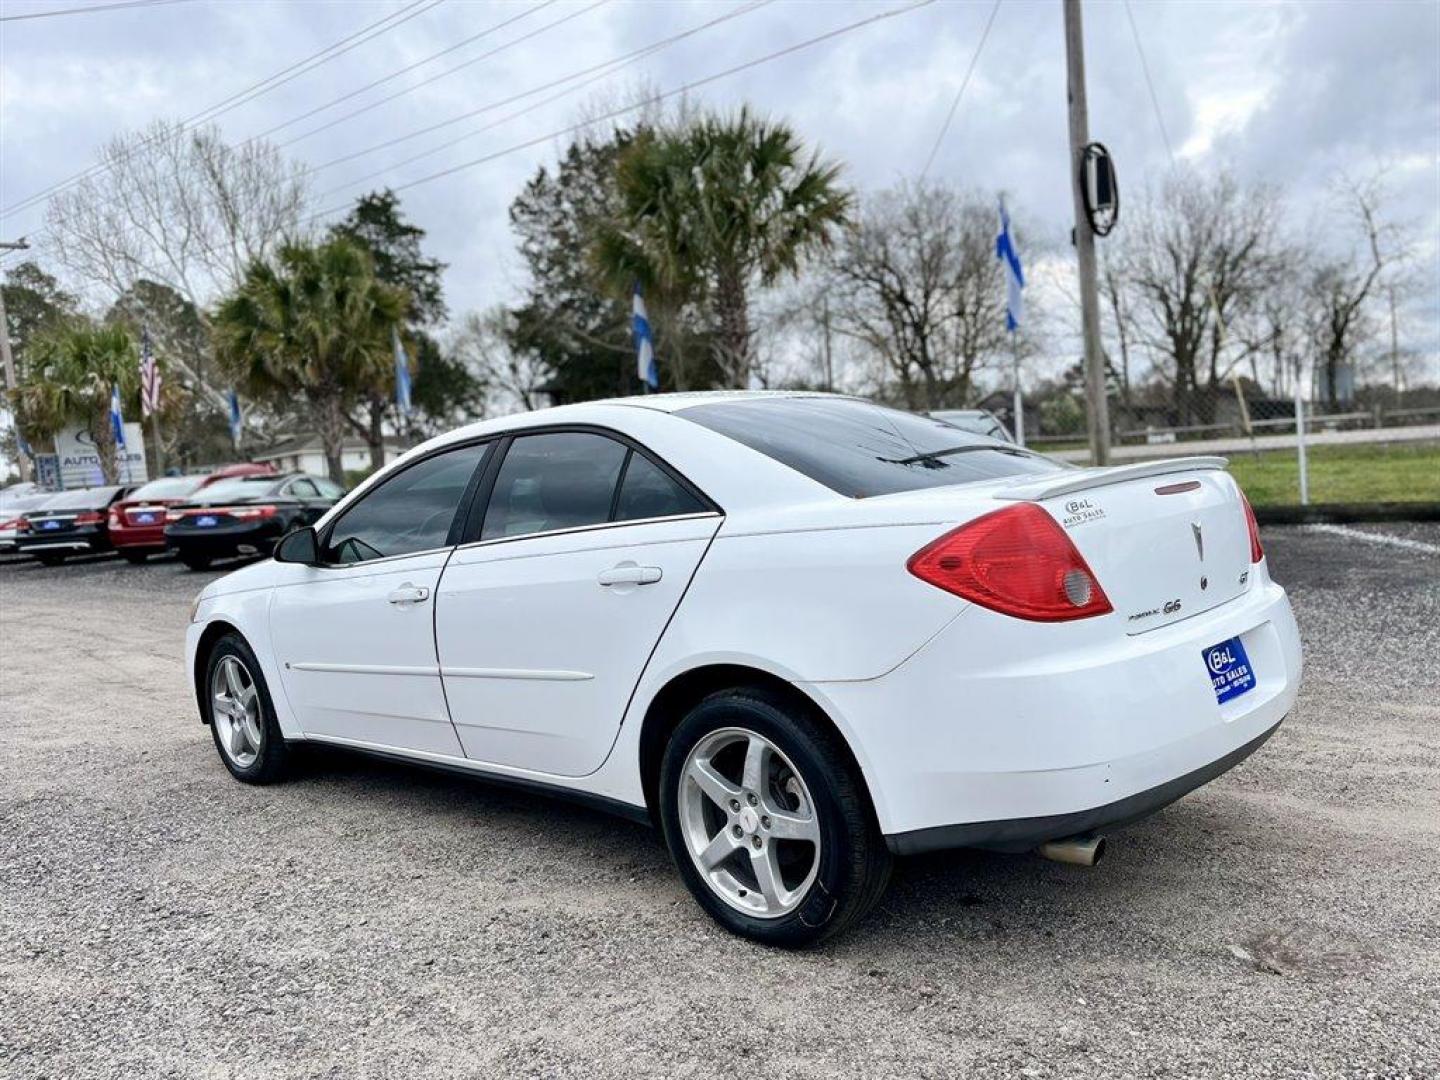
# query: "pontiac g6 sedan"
801 633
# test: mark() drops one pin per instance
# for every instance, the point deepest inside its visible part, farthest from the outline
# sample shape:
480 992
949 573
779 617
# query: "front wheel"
241 714
195 562
134 558
768 820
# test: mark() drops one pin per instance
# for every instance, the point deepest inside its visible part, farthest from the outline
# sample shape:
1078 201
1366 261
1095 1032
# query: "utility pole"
1098 412
9 362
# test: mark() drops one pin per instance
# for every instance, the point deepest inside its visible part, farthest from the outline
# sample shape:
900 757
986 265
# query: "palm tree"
708 209
312 328
71 374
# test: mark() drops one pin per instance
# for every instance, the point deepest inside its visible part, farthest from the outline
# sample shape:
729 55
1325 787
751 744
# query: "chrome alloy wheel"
235 712
749 822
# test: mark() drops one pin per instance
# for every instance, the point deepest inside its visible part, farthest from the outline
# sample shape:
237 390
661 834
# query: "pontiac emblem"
1199 539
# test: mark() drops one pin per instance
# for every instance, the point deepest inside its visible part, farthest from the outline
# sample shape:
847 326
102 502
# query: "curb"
1347 513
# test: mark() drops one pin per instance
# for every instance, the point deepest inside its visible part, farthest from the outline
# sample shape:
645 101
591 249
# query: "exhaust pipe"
1076 850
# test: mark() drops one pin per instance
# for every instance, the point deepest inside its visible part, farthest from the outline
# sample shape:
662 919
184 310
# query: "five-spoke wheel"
241 716
768 820
749 822
236 712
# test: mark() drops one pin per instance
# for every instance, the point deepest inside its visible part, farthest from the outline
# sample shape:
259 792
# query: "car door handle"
629 574
409 594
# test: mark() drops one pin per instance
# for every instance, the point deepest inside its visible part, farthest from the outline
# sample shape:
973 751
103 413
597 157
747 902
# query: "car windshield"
237 489
82 499
168 487
860 449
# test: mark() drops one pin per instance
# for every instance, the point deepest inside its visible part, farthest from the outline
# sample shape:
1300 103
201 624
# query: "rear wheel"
768 820
241 714
134 558
51 558
194 561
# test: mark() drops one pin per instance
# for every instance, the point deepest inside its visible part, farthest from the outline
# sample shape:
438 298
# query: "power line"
596 72
651 99
405 70
965 82
1154 98
443 74
91 10
249 93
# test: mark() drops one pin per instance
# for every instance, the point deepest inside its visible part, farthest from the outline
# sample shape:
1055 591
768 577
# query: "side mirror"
299 546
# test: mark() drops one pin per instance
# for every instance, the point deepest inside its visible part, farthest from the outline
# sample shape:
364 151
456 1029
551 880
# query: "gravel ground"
370 920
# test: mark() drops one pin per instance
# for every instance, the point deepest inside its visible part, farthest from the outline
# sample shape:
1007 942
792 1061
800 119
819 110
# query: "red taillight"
247 512
22 525
1256 551
1016 561
89 517
12 525
173 515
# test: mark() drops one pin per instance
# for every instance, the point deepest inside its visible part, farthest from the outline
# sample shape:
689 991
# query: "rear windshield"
82 499
169 487
860 449
240 487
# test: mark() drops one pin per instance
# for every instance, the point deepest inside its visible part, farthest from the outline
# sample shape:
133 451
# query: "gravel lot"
159 919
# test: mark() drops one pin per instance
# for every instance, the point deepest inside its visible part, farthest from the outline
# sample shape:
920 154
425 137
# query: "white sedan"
799 632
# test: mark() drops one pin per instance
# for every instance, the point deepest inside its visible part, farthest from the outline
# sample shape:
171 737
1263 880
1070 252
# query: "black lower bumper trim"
1022 834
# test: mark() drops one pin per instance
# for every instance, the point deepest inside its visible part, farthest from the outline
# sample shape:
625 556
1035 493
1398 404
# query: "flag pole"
1019 397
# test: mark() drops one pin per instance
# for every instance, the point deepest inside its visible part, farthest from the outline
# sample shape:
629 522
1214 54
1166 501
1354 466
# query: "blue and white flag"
1014 276
236 423
402 374
645 365
117 422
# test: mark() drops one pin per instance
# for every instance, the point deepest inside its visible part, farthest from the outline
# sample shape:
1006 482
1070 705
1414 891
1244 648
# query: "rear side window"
169 487
647 491
408 513
860 449
560 480
303 489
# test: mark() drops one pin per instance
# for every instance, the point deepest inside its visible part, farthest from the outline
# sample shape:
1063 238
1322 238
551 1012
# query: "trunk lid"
1166 540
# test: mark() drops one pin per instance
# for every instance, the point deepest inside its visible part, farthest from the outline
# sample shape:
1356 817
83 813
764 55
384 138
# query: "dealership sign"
80 462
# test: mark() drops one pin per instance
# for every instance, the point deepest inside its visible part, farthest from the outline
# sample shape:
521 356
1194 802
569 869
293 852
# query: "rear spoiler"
1036 490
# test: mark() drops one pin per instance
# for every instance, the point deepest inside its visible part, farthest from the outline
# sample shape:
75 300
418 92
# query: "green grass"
1404 472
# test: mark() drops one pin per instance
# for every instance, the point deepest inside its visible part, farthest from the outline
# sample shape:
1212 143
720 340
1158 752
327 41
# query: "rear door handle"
629 574
409 594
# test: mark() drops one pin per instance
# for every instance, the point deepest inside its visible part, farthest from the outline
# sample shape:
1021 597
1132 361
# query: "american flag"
149 376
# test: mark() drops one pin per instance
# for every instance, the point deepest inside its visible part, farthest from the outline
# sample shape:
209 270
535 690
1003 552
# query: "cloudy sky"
1291 93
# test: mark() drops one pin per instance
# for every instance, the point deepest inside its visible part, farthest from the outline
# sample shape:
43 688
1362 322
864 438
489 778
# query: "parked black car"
68 523
245 515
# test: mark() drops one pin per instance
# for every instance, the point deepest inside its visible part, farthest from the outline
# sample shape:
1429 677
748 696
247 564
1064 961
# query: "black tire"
854 861
134 558
50 558
194 561
274 757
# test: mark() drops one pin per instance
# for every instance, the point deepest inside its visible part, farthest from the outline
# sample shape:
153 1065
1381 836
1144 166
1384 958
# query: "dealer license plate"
1230 672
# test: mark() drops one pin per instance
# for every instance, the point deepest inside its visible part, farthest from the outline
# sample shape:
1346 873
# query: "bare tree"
1197 259
916 281
179 207
513 378
1339 290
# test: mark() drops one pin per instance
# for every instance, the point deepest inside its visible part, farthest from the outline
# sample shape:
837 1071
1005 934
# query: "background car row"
236 511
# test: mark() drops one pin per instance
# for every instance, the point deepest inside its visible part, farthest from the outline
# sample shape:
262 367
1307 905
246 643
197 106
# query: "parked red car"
137 525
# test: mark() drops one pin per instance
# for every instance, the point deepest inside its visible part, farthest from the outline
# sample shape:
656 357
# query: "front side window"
559 480
408 513
860 449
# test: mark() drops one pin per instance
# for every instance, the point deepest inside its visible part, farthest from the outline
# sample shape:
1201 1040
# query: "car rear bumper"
225 540
76 541
997 734
150 537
